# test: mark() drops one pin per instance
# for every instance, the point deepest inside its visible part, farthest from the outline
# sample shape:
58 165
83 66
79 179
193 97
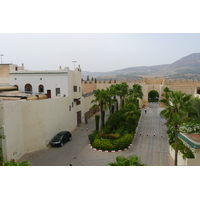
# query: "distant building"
4 72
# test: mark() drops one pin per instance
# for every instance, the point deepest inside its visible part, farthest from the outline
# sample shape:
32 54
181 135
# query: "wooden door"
78 118
48 93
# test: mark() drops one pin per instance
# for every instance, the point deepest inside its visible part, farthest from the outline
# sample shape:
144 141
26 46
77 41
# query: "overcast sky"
95 51
100 35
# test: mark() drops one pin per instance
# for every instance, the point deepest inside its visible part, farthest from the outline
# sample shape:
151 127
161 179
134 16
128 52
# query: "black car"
61 138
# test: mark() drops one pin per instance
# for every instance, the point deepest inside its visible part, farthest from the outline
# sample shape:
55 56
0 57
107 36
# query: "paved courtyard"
152 149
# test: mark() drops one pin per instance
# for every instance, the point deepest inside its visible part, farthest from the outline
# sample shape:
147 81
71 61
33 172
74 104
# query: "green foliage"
190 127
114 122
97 117
112 144
103 119
92 136
118 132
130 124
178 104
129 161
109 136
183 148
14 163
195 112
103 144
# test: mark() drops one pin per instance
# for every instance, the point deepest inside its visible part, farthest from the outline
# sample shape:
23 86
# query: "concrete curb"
112 151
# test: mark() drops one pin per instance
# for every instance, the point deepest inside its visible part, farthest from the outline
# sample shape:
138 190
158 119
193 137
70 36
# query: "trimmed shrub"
113 144
123 142
109 136
92 136
103 144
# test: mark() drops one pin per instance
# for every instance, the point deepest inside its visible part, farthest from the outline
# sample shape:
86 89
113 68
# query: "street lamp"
74 63
1 57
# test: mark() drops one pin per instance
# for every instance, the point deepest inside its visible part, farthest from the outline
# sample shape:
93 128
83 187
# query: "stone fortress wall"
148 84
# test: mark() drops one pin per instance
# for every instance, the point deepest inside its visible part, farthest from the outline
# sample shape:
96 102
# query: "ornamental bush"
109 136
103 144
113 144
92 136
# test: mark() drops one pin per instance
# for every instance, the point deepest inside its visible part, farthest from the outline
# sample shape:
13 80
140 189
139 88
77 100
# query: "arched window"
40 88
28 88
16 87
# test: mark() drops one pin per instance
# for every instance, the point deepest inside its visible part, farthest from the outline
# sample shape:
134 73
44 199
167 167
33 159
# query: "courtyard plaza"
150 144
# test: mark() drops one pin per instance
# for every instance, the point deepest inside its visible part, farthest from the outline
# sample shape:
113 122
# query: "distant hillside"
187 65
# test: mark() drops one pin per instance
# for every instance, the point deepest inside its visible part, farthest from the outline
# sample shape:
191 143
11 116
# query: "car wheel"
61 144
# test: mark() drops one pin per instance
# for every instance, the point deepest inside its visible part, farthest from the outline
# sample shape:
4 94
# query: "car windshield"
58 136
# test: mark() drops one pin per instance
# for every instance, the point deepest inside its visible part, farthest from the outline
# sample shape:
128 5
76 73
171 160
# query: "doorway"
78 118
48 93
153 96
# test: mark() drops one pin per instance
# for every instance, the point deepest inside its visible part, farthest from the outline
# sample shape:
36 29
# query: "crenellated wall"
148 84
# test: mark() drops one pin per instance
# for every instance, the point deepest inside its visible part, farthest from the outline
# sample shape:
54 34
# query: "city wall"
148 84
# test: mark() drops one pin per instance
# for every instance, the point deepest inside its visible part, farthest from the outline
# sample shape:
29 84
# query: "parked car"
61 138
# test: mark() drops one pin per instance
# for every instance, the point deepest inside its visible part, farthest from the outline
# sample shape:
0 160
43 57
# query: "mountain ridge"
187 64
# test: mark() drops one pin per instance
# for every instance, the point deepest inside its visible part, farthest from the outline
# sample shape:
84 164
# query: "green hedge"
113 144
92 136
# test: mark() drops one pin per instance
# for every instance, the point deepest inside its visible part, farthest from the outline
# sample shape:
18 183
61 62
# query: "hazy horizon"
96 52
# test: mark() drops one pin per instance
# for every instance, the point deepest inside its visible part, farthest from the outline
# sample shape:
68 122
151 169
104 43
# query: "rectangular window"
79 89
75 88
57 91
78 102
69 108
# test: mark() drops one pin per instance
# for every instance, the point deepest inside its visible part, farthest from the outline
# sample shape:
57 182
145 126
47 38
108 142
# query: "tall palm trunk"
176 148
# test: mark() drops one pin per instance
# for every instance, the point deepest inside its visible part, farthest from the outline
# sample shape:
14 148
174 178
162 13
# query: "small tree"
97 117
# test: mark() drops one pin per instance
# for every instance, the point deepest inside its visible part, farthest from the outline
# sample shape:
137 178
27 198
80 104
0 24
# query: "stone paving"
153 149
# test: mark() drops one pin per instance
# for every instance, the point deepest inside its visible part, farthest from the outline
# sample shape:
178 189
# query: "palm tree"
178 105
122 92
130 161
136 91
100 100
166 90
110 99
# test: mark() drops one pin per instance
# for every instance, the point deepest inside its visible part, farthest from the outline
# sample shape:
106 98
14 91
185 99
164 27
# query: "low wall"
186 161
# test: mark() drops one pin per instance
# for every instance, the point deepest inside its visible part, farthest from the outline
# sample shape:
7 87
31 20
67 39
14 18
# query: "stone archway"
153 96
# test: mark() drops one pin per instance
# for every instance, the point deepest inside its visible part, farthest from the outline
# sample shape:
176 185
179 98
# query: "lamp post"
1 57
74 63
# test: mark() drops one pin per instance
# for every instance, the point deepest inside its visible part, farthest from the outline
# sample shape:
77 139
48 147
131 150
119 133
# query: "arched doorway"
28 88
153 96
40 88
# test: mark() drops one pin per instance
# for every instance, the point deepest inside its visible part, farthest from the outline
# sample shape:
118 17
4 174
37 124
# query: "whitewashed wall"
50 82
187 161
29 125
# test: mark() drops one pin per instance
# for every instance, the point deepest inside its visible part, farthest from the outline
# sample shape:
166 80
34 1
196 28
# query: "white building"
54 83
